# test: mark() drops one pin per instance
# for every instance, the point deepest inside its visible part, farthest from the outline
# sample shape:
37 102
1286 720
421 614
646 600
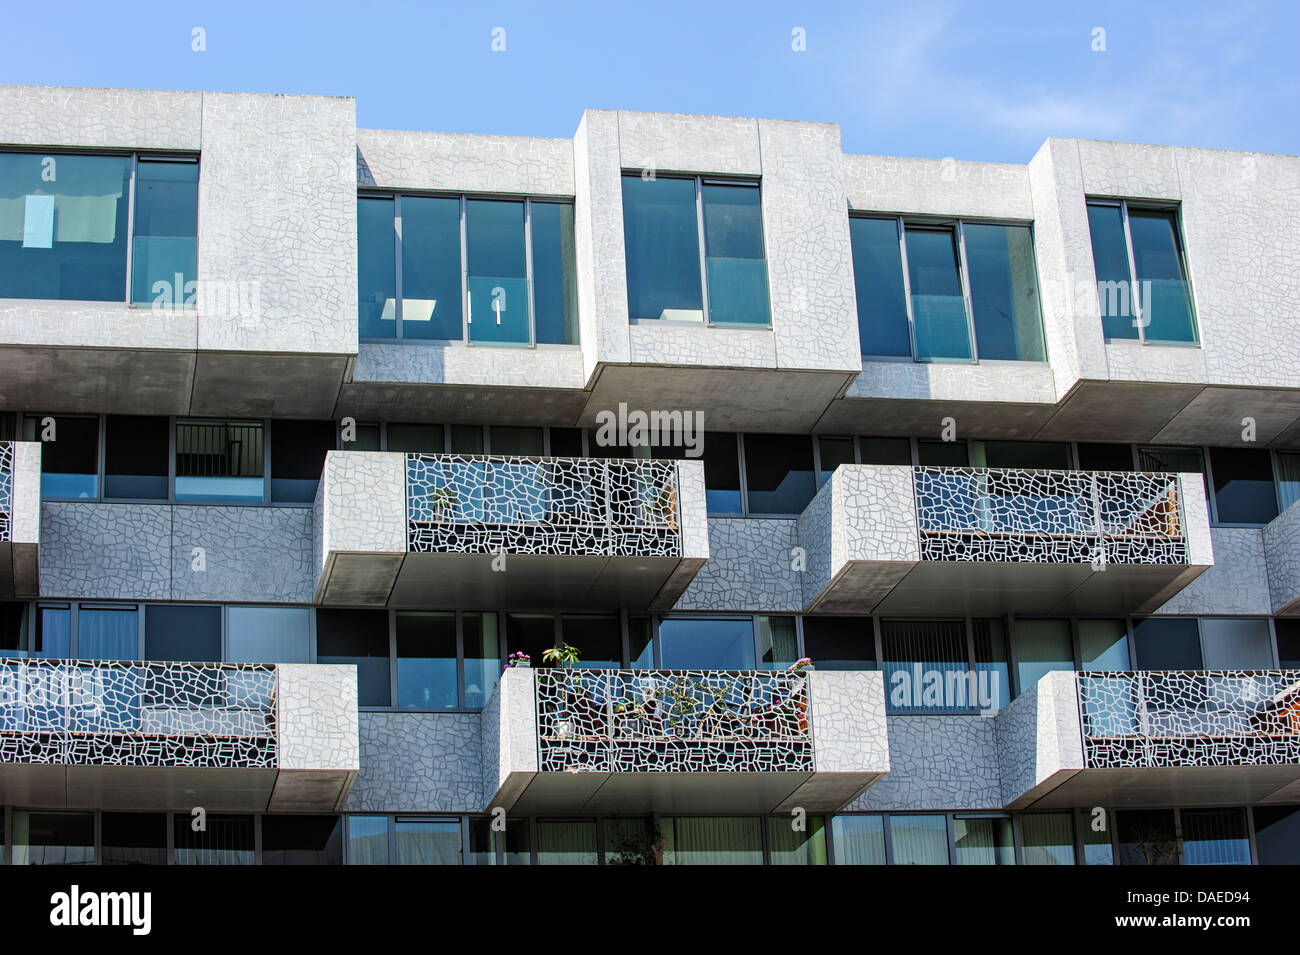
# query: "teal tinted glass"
498 272
63 226
938 307
733 243
1004 292
555 283
376 269
1158 258
878 276
431 300
662 242
1110 262
165 245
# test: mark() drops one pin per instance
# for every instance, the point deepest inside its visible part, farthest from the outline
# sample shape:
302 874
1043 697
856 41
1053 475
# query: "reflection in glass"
859 839
1004 292
377 268
714 840
566 842
919 839
1114 279
431 295
555 292
706 644
733 246
878 278
1046 838
426 660
983 841
165 245
662 242
427 841
1158 258
499 305
938 306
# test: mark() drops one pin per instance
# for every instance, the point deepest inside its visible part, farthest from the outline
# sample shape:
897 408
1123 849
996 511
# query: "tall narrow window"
878 278
298 450
779 473
358 637
735 266
721 473
1119 317
110 633
1004 292
778 642
938 304
431 294
165 245
69 454
661 238
555 282
135 457
1243 486
1041 647
499 306
426 660
926 664
377 269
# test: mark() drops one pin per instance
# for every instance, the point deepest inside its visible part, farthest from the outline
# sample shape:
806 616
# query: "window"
1103 645
112 633
1277 834
298 458
176 632
415 438
1041 647
228 840
482 653
1288 478
919 839
1046 838
885 450
941 454
1167 643
641 643
993 672
532 634
598 638
1027 455
136 451
515 284
778 642
707 643
53 633
219 460
983 840
664 221
367 840
164 243
302 840
1236 643
358 637
722 473
1105 457
1288 643
1141 276
788 846
926 664
566 842
779 473
53 838
633 841
1214 837
839 643
713 840
831 453
13 637
426 660
134 838
1146 837
858 839
69 454
1243 486
269 634
528 442
946 292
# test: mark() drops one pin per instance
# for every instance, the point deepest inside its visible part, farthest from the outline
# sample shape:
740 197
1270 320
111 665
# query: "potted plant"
444 502
565 656
518 661
803 663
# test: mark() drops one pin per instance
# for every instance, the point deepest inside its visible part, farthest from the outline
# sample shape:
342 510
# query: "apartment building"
411 497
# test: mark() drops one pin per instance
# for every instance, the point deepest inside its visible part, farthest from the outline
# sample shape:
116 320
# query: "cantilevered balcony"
450 530
984 540
225 736
20 519
683 740
1158 737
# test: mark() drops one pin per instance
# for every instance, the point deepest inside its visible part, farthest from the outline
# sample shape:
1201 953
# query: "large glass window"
164 243
779 473
886 450
597 637
839 643
919 839
992 669
224 840
1046 838
566 842
939 318
926 664
790 846
713 840
1215 837
1105 457
136 450
417 438
1277 834
63 229
778 642
1141 275
1236 643
532 634
1243 486
983 840
831 453
298 458
427 841
706 643
133 838
1288 478
367 840
881 297
302 840
1041 647
53 838
633 841
111 633
219 460
1146 837
1004 292
482 650
858 839
663 220
69 454
426 660
1167 643
1103 645
358 637
180 632
1027 455
269 635
518 270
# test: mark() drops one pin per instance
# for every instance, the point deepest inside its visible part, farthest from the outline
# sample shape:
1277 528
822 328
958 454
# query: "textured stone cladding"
419 762
318 716
181 552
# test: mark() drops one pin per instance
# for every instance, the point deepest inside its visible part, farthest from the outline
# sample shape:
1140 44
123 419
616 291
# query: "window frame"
463 198
701 180
134 156
1174 209
957 225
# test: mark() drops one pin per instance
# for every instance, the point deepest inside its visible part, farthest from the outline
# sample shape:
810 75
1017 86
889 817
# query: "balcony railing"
6 490
111 713
1005 515
681 721
524 505
1177 718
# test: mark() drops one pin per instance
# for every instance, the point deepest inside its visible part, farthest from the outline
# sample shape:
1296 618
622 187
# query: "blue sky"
985 81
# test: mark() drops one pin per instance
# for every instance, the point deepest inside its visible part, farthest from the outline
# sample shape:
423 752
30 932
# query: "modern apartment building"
307 432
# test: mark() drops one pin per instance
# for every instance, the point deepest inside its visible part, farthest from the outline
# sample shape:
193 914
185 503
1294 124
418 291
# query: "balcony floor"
1166 786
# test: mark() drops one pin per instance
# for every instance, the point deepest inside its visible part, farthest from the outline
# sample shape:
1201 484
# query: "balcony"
449 530
20 519
1152 738
224 736
683 740
988 541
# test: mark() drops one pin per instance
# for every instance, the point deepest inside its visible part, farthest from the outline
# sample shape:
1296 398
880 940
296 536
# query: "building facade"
373 496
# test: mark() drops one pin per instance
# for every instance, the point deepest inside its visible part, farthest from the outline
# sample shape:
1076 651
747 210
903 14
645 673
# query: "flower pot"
522 665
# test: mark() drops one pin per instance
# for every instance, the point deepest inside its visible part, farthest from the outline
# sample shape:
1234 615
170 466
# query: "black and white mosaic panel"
1171 718
1027 516
6 490
117 713
680 721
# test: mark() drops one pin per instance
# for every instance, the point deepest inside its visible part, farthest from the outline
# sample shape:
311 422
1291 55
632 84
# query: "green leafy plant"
563 655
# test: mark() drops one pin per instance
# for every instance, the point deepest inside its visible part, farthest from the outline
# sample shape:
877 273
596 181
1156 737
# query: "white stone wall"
1039 738
846 715
453 162
317 717
25 509
1281 539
